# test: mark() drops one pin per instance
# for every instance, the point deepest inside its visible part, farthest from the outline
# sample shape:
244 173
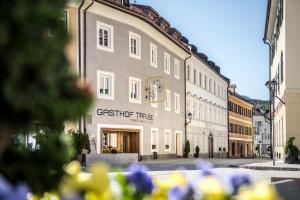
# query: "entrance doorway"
210 146
232 149
178 144
119 141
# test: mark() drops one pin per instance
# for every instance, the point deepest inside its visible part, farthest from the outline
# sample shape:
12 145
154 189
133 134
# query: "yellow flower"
261 191
212 189
163 185
95 184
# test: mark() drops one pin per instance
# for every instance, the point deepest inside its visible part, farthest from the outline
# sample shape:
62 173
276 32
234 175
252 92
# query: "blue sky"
229 32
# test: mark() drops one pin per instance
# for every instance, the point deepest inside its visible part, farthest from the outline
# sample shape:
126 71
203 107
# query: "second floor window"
168 100
105 85
177 103
167 63
153 55
134 45
104 37
176 69
134 90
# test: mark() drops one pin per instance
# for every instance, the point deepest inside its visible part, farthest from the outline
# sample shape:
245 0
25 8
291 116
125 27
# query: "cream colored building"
206 100
282 31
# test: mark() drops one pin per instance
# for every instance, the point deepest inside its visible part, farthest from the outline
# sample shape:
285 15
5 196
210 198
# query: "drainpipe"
228 122
270 99
79 47
84 54
184 74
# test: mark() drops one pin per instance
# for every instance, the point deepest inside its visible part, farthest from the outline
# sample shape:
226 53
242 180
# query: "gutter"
184 74
270 95
80 54
79 48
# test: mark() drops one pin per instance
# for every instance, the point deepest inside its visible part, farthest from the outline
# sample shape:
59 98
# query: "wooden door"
178 144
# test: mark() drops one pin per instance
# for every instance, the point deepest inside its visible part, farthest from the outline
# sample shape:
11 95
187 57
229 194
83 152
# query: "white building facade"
262 141
206 100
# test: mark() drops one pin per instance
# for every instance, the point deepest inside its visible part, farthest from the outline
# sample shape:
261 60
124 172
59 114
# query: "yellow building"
240 125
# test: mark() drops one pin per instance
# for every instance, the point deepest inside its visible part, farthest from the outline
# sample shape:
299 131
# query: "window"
134 45
167 140
65 19
105 37
167 63
176 69
200 79
188 71
154 140
134 90
177 103
153 55
281 67
215 91
205 82
168 100
195 110
209 86
105 85
218 90
195 76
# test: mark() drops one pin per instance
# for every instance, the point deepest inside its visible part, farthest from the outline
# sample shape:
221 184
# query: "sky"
229 32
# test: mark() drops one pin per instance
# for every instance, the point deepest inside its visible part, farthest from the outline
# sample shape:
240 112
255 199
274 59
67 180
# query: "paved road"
189 164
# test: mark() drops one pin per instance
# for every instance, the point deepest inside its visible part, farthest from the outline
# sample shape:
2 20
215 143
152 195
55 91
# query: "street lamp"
190 115
272 86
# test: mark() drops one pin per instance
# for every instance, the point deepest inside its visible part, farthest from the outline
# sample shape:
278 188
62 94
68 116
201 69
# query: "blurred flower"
239 180
11 192
177 193
94 185
260 191
164 185
205 166
140 179
212 189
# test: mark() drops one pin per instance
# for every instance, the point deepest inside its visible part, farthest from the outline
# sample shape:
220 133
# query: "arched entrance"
210 146
241 151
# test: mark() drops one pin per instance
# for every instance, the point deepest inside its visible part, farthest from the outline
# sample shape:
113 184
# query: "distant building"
262 137
240 125
206 93
282 31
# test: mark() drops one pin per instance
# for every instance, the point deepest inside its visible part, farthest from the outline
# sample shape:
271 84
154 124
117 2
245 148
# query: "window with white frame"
188 71
154 140
153 55
105 85
195 76
167 63
205 82
177 103
134 90
168 140
168 100
105 37
200 79
176 69
134 45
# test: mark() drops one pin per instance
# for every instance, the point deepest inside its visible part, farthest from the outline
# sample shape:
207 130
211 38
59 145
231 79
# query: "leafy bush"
81 141
290 148
187 149
197 149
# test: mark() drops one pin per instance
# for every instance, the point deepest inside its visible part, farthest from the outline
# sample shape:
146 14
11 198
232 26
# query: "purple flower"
139 178
177 193
239 180
205 166
10 192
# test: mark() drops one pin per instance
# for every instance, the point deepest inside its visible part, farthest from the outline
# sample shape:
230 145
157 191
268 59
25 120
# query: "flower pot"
196 155
291 159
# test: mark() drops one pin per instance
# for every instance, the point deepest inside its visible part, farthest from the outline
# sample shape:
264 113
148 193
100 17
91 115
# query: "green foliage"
36 82
197 149
42 167
36 85
187 149
81 141
290 148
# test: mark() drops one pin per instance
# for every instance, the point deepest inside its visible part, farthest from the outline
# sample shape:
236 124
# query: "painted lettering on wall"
125 114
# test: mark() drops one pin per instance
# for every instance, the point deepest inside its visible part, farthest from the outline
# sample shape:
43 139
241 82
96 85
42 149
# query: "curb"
271 168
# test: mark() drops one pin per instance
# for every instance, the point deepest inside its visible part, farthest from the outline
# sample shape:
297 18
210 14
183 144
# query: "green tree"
36 86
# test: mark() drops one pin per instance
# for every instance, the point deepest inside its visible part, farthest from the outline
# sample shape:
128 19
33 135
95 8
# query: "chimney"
232 88
125 2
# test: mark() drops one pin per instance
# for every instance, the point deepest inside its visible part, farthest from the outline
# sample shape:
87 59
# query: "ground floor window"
154 140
